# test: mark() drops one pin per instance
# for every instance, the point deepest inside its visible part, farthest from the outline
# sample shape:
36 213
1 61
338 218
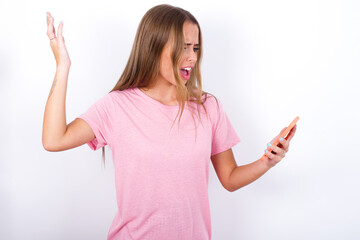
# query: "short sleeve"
224 135
98 116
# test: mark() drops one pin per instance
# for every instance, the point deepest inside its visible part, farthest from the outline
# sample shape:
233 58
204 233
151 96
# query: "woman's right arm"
57 136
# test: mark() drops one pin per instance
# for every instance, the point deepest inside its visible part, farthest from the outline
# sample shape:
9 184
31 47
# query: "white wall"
267 61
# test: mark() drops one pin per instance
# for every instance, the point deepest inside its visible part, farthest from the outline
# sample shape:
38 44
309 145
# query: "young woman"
161 171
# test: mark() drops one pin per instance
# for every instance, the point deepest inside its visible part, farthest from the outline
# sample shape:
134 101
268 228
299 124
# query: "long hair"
157 26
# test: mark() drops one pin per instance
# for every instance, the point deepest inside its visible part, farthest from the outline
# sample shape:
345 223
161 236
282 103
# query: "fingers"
50 26
47 18
273 157
275 150
270 155
60 29
278 147
278 136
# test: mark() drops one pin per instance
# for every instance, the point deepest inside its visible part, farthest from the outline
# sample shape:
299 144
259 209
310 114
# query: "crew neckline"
154 101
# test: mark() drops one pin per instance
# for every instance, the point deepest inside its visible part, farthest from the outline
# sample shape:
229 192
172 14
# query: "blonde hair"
157 26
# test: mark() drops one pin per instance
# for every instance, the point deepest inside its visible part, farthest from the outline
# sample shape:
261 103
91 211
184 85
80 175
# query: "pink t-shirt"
161 174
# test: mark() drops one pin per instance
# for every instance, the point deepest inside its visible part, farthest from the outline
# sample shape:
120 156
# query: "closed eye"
195 49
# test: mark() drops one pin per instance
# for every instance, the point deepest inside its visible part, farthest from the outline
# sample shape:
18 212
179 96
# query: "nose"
192 57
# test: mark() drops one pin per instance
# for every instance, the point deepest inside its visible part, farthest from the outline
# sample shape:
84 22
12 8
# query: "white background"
266 61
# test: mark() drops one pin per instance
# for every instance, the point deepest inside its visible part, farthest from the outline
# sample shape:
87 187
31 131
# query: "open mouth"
185 72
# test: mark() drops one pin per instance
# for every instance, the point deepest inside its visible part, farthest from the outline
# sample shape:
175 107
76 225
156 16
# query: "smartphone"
283 135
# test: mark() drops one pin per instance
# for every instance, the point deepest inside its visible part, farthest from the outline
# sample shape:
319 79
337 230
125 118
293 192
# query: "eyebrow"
197 44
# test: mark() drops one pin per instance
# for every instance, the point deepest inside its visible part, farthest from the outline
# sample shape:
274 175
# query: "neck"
162 91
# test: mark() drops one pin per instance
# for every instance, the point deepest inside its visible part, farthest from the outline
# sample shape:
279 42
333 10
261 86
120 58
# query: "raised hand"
57 43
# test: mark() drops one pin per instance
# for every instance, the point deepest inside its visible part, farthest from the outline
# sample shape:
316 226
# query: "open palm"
57 43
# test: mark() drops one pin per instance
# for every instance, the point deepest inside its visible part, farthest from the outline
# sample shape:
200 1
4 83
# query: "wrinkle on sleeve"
224 135
98 118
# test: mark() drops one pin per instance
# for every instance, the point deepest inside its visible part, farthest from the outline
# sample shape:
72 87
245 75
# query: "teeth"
188 69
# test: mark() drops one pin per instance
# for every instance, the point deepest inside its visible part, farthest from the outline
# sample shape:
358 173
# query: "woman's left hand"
276 153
